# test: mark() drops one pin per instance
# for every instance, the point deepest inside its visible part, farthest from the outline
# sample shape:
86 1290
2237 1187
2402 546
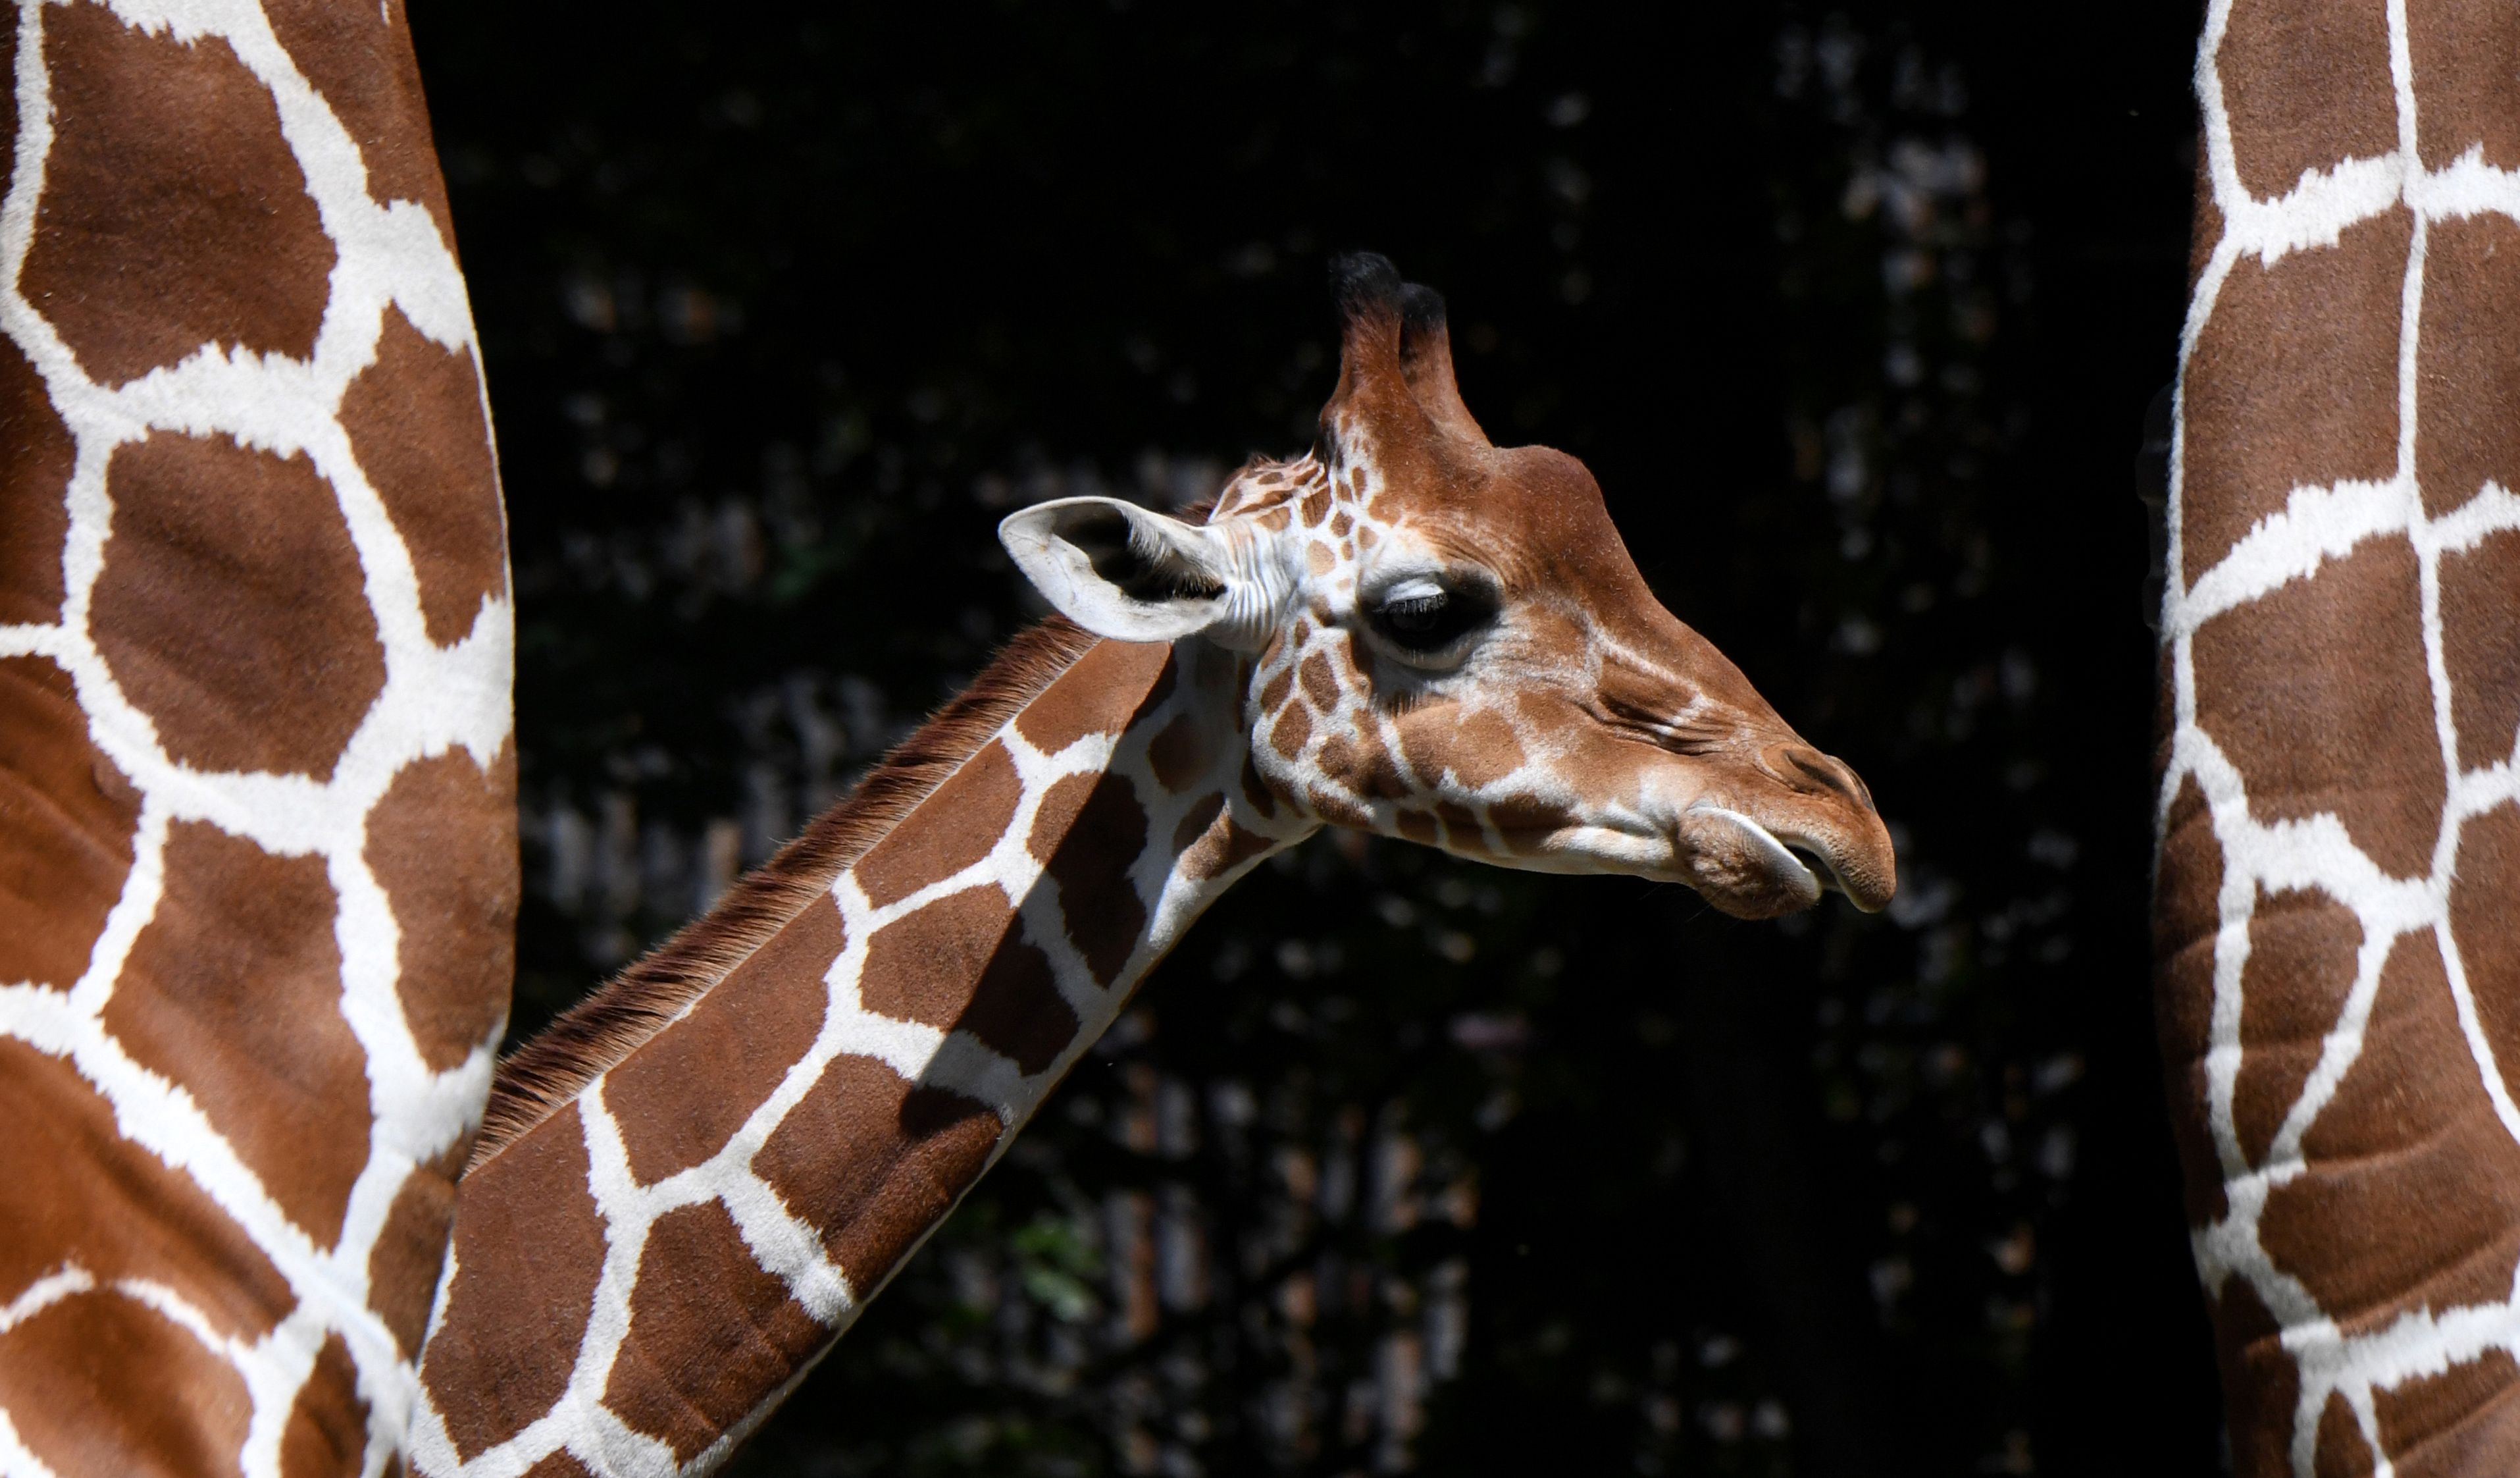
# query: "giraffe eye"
1423 618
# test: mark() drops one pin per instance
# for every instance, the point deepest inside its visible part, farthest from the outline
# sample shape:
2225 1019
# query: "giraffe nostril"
1807 769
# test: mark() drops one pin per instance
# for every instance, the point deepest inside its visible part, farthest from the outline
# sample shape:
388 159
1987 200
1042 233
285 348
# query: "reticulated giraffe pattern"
256 790
2340 807
690 1186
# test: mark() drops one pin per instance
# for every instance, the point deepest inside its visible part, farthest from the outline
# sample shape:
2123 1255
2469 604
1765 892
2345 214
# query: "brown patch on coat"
2293 382
1319 685
922 965
79 1191
1315 507
442 844
1195 821
168 166
418 430
281 681
2461 51
2465 1419
233 992
963 962
360 59
605 1027
67 818
2261 1384
1089 861
2480 588
1101 694
1273 693
2186 914
37 454
709 1330
326 1434
1179 755
973 808
2306 85
2467 379
559 1464
2401 1133
99 1383
2301 968
1016 1009
410 1255
2339 1451
511 1333
1224 847
2318 693
740 1039
2485 880
1293 727
874 1161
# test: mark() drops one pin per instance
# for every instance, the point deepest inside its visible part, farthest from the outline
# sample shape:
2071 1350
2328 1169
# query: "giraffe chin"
1741 868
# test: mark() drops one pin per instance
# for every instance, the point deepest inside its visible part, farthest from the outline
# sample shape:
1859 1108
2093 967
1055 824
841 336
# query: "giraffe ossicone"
689 1187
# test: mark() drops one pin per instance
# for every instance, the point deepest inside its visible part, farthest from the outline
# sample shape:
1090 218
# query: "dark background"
1401 1164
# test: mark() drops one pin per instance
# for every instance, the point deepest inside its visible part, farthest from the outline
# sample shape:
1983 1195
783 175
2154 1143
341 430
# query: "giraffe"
688 1188
2339 806
257 861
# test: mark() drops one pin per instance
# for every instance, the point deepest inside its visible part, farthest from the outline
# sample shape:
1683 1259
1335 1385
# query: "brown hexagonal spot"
233 992
740 1039
66 816
709 1332
2319 692
504 1352
2293 382
168 168
99 1383
442 844
418 428
872 1162
2306 87
2412 1199
35 456
281 681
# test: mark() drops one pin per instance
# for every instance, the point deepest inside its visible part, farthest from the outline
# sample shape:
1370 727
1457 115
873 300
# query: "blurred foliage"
1402 1164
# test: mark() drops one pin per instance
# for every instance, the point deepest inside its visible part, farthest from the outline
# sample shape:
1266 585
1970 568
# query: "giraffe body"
2340 803
689 1189
257 872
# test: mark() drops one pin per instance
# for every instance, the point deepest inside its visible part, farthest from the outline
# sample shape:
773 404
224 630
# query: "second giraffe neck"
639 1275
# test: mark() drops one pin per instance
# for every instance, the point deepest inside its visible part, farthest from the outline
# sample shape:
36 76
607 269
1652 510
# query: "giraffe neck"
257 861
707 1213
2339 810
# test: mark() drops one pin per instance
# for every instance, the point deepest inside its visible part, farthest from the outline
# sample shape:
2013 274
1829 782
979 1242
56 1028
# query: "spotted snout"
1774 843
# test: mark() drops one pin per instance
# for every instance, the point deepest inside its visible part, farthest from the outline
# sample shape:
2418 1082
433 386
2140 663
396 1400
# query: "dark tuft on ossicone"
1365 283
1422 309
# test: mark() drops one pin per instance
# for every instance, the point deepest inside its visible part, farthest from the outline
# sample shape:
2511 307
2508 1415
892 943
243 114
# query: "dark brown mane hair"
545 1074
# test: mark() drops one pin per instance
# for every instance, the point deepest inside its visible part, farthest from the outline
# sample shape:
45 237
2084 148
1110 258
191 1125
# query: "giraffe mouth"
1791 870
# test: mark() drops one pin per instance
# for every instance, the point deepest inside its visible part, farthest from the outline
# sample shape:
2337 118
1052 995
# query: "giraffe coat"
2339 807
257 861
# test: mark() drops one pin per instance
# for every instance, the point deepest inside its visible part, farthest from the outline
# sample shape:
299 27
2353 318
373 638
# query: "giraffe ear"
1121 570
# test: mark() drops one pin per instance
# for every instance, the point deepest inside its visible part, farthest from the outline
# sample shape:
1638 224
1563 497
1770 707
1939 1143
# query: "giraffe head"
1446 640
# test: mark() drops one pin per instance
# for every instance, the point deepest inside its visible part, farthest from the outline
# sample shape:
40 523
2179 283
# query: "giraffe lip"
1786 858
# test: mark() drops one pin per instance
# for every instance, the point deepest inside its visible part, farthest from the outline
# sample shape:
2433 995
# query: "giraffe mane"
541 1077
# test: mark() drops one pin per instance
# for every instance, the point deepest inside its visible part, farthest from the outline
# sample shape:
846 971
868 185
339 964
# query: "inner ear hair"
1130 554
